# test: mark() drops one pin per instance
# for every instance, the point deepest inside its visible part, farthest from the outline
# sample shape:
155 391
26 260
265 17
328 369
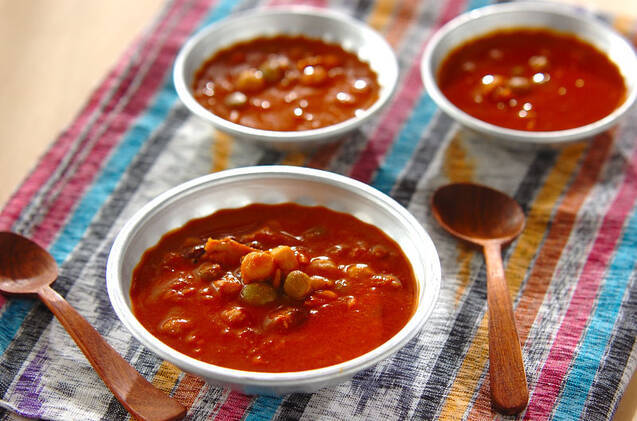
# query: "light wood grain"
26 268
55 52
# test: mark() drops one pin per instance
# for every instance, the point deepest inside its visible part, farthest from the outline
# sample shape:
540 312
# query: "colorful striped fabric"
571 272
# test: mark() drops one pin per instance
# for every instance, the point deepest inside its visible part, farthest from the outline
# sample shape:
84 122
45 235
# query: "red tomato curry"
285 83
274 288
531 79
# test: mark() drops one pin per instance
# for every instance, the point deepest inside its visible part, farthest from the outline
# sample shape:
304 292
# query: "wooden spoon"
490 219
26 268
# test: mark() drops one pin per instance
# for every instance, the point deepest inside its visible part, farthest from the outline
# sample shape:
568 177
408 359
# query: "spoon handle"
139 397
509 391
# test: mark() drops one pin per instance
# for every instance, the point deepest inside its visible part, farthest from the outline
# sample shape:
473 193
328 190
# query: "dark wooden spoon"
26 268
490 219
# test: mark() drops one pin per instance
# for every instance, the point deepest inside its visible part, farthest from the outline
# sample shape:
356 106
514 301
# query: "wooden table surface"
55 52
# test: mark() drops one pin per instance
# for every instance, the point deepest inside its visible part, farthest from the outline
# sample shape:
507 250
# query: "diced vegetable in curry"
285 83
531 79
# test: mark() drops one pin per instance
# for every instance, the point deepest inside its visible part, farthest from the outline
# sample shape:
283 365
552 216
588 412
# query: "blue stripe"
263 408
599 331
404 145
407 140
16 309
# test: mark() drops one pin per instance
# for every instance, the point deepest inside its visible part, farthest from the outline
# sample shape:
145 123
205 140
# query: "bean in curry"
285 83
531 79
274 288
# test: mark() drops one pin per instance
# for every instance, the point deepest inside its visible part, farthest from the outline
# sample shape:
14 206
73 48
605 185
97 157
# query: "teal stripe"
404 145
599 331
16 310
263 408
110 176
474 4
407 140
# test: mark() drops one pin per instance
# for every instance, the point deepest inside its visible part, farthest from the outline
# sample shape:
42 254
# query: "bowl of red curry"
273 279
286 77
534 73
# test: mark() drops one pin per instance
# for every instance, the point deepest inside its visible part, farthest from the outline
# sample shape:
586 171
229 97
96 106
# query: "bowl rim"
272 136
429 78
425 306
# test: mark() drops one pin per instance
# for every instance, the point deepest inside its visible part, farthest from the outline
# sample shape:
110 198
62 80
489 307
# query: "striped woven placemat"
571 272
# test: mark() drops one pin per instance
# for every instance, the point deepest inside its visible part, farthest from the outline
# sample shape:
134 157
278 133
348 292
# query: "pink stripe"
234 407
52 158
561 354
401 106
88 170
54 219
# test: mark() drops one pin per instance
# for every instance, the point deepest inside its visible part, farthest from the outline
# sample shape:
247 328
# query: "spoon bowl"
38 270
478 213
27 268
489 218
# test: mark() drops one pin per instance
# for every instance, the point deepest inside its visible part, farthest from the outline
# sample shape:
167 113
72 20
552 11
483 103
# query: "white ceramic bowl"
329 26
273 184
555 17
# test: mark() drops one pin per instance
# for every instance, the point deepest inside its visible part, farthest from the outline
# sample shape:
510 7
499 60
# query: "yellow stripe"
380 15
221 150
166 377
294 158
463 387
459 167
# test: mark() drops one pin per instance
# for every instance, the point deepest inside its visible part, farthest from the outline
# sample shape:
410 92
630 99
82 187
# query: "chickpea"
209 271
297 285
319 282
360 271
519 84
344 98
257 266
313 75
228 284
175 326
250 80
284 319
258 294
387 280
235 316
236 99
285 258
539 63
502 93
490 83
323 266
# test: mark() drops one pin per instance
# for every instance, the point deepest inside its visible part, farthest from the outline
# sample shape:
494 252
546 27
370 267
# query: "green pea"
258 294
297 285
